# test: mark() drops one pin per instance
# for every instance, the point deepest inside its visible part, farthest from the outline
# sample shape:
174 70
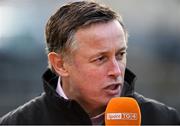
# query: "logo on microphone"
121 116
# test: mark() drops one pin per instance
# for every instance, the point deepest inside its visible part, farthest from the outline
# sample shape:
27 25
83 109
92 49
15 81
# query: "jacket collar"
129 83
50 82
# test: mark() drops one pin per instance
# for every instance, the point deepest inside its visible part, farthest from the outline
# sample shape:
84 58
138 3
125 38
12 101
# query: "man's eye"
100 59
120 55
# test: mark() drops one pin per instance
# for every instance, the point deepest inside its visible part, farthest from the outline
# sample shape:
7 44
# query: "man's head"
87 45
61 27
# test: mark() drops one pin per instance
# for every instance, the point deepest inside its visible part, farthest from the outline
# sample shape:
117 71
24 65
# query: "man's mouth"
113 89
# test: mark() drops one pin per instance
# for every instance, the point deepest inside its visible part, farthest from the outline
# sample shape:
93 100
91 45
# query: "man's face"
96 73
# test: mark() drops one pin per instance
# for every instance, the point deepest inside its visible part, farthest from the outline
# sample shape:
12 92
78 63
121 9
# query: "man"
86 44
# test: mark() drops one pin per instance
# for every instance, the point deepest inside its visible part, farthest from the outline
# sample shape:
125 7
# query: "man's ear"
57 63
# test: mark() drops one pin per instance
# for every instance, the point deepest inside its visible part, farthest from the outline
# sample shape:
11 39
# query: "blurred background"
153 52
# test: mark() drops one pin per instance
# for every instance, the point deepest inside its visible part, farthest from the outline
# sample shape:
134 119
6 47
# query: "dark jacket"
50 108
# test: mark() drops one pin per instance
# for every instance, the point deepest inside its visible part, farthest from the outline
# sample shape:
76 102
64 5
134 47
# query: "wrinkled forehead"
98 28
101 35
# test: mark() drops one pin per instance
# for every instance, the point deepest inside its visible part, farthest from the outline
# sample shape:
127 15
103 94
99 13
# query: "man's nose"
114 69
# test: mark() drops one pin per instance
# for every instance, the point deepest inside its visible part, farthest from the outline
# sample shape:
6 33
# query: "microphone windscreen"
122 111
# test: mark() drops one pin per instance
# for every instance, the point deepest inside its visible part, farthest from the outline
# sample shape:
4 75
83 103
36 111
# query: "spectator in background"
87 45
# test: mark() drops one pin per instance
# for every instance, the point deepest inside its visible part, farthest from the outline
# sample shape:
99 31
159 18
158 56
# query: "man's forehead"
102 26
115 49
101 31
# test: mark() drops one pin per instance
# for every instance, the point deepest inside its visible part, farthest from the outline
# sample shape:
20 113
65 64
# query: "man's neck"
88 106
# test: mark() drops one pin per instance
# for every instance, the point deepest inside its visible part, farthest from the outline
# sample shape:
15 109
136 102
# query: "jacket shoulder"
155 112
24 113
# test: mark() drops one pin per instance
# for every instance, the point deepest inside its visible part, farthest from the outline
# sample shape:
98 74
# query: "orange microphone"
122 111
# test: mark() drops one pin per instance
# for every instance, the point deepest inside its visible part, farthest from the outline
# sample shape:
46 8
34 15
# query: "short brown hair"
62 25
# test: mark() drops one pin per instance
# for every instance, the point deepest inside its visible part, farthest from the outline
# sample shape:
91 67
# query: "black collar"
50 82
129 83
